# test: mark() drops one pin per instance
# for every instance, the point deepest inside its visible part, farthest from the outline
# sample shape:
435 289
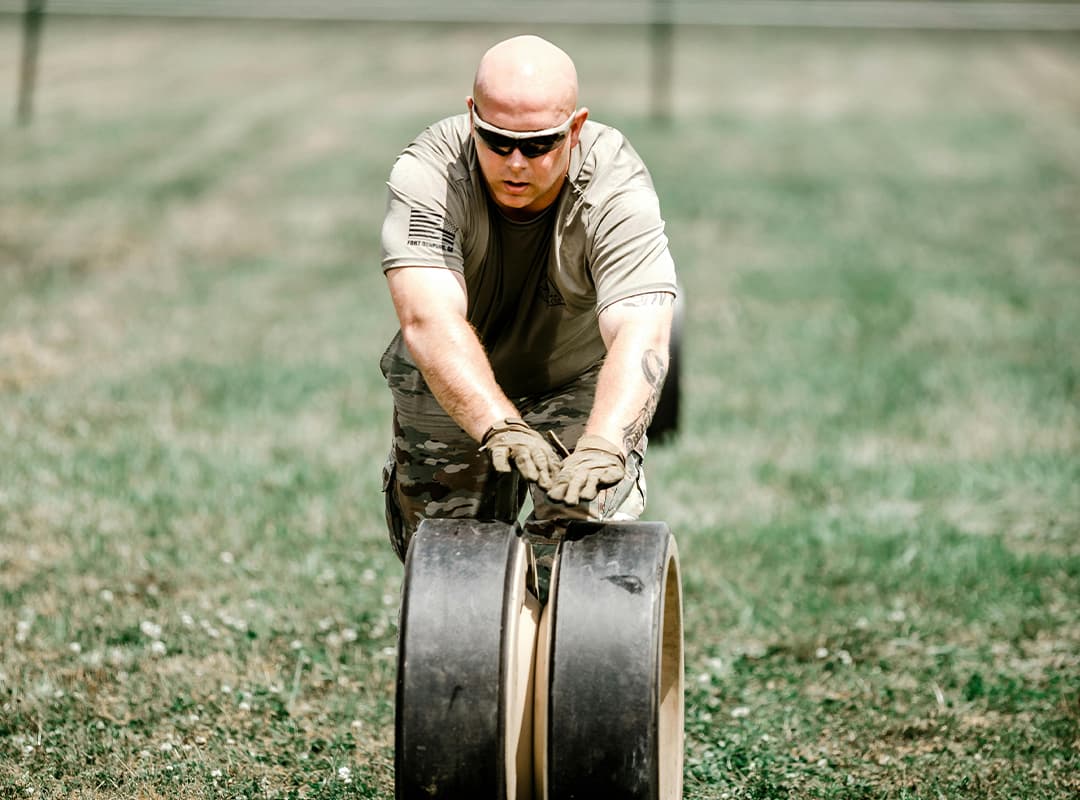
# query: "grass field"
876 490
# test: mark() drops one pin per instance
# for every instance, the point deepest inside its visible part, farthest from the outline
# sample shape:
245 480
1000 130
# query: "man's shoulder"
607 165
444 146
452 131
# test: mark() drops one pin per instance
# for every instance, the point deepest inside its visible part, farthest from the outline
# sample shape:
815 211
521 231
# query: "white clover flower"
149 629
215 773
106 595
75 648
227 557
158 648
349 635
739 712
344 774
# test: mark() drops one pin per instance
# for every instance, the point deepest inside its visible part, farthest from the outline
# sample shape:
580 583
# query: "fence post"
662 55
33 17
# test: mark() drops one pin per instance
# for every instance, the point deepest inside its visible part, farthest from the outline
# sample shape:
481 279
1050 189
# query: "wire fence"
663 16
911 14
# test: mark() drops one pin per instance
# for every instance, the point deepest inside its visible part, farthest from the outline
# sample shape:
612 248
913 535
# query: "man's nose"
516 160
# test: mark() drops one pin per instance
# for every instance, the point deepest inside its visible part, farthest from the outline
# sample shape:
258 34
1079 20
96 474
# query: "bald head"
528 78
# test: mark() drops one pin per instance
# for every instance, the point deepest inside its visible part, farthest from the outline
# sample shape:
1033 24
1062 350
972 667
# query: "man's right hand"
513 440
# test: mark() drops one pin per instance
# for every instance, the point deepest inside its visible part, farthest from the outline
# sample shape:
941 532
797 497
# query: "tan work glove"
513 440
595 464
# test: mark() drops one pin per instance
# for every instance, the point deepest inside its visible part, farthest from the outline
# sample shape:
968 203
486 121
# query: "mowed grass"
875 489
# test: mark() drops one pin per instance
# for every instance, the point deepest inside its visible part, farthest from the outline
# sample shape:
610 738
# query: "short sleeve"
629 250
419 229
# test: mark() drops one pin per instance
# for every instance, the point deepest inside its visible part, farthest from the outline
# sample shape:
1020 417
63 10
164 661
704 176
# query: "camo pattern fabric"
436 470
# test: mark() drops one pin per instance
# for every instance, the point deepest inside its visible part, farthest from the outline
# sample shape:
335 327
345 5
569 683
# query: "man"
527 262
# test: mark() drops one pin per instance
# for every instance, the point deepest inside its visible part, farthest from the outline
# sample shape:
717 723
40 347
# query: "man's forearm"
456 368
626 398
431 305
630 381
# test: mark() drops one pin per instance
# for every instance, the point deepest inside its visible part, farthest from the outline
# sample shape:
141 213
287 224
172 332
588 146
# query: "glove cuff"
508 424
593 442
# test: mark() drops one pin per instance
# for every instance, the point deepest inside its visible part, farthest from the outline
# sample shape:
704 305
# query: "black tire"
467 631
612 665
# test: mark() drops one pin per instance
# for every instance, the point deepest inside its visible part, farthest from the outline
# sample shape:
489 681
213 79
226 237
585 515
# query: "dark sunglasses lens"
503 145
530 148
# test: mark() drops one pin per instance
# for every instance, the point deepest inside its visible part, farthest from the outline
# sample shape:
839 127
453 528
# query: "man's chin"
514 202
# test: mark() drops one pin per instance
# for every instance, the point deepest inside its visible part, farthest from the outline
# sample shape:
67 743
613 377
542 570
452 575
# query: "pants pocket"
395 521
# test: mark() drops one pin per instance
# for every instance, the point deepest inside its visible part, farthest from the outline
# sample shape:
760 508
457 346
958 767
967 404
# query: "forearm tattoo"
654 367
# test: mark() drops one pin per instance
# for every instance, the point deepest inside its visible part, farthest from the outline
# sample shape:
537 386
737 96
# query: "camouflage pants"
436 470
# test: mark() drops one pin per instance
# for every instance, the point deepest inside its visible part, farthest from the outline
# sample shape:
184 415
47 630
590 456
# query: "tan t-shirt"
534 289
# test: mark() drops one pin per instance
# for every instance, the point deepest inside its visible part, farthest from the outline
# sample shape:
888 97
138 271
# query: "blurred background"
874 481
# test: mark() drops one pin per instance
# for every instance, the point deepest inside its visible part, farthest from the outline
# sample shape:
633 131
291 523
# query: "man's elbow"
426 331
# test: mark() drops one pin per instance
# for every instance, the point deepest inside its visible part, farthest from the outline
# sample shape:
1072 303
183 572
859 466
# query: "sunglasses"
532 144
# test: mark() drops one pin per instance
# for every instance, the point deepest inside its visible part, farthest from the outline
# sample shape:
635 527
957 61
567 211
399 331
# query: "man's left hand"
595 464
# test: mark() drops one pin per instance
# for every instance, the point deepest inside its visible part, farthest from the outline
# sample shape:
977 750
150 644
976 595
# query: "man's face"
521 186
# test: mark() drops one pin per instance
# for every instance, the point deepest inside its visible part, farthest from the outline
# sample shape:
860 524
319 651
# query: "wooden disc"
467 630
542 684
613 665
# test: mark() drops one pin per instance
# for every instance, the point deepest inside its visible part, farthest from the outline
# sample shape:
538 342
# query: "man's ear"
575 126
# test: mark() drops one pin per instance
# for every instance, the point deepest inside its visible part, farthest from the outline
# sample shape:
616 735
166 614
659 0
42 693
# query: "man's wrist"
507 423
593 441
614 443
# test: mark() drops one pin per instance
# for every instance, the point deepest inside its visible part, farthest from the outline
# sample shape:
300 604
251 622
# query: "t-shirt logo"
550 293
430 230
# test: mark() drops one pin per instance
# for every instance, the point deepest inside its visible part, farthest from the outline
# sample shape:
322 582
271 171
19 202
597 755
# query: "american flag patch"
430 230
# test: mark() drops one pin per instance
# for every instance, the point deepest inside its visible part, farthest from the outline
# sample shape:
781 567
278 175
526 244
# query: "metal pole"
662 54
33 18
